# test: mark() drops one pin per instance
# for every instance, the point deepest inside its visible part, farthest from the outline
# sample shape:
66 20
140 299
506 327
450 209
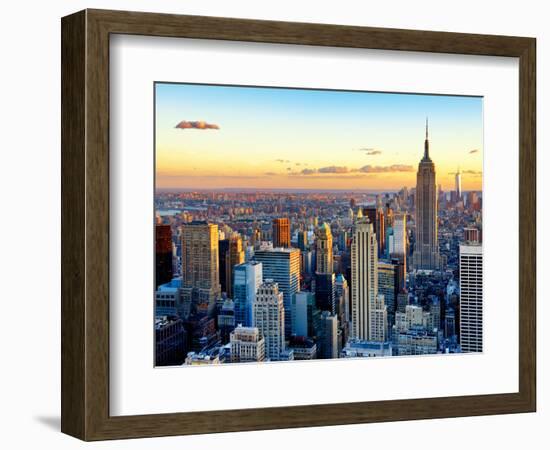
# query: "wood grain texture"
527 224
73 263
85 224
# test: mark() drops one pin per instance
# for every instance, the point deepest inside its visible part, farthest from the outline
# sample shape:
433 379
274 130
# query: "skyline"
225 137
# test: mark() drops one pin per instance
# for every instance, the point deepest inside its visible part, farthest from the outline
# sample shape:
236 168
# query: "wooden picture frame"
85 224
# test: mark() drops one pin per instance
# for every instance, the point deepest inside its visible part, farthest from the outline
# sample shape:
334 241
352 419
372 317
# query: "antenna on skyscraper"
426 143
426 127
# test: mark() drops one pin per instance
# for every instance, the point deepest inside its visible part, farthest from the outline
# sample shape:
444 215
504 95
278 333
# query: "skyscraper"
223 249
380 231
282 265
388 285
399 248
233 257
226 319
371 212
378 318
471 298
281 232
323 247
376 218
269 318
301 313
308 262
247 279
328 336
364 279
325 292
458 184
343 239
200 276
426 252
342 296
163 254
302 240
389 215
324 276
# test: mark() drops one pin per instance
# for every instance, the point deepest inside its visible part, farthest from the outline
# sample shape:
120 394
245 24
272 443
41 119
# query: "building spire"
426 143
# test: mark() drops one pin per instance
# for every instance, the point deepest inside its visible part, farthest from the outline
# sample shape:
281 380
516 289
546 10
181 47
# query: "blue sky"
315 129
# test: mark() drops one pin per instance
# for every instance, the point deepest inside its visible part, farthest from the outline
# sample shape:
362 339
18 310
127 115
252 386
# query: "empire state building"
426 250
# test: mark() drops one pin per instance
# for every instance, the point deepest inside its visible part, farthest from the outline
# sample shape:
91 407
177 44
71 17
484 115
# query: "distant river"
173 212
167 212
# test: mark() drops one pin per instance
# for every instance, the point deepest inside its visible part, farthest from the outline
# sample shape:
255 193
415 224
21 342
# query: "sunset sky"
215 137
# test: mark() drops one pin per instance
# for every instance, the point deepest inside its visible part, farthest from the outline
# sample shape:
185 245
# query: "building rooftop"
340 277
249 263
475 248
368 345
277 250
228 304
161 321
175 283
246 331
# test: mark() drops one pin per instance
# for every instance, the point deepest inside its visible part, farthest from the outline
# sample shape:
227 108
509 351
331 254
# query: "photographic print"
300 224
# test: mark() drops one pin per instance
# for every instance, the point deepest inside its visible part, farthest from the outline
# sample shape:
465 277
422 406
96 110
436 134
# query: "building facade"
416 341
303 348
223 250
168 298
226 320
325 292
398 248
233 257
281 232
388 284
471 298
366 349
303 241
170 341
282 265
269 319
200 266
323 247
163 254
247 345
472 235
342 296
324 276
302 302
378 317
327 336
247 278
364 278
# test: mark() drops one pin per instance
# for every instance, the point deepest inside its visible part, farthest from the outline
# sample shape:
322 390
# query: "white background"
30 235
136 387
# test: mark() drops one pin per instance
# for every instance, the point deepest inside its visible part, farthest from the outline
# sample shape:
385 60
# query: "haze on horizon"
226 137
